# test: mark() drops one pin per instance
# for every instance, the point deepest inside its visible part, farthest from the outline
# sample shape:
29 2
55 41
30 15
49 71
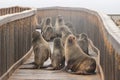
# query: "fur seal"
58 56
77 61
41 49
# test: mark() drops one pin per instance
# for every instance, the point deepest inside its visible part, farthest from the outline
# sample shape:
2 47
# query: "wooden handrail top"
12 17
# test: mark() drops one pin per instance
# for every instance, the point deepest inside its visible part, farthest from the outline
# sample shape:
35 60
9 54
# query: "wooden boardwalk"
44 74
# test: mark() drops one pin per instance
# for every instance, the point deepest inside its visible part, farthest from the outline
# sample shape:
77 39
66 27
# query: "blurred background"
106 6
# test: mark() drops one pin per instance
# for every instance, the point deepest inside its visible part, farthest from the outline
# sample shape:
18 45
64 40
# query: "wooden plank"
8 45
16 65
25 37
4 11
0 12
5 48
19 52
55 75
7 11
10 10
0 50
4 56
29 32
14 10
12 43
20 38
16 40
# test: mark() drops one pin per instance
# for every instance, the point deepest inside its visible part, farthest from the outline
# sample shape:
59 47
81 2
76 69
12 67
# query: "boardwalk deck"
43 74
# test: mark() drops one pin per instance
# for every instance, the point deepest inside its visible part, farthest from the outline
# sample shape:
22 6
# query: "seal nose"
70 40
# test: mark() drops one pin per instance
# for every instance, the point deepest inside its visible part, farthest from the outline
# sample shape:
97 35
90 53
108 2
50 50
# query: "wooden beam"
6 75
12 17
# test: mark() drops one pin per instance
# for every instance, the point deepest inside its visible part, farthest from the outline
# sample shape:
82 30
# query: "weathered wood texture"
11 10
15 37
44 74
100 29
114 16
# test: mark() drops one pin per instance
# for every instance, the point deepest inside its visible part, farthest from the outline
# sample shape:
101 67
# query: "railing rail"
15 35
12 10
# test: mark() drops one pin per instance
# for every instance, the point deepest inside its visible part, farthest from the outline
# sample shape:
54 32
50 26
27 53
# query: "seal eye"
60 20
73 38
48 21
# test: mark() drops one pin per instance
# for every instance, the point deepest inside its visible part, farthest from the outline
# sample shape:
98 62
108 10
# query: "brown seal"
59 25
58 56
77 61
41 49
47 23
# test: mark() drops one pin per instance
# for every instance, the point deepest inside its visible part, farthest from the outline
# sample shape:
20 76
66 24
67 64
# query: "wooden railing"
99 28
11 10
15 35
115 18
